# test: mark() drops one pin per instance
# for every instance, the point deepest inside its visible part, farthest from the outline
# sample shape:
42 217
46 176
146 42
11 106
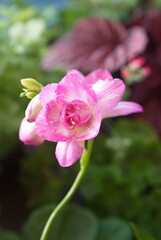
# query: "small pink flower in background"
136 70
73 109
125 73
96 43
138 61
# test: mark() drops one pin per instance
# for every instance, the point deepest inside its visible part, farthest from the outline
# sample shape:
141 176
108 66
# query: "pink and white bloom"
73 109
27 132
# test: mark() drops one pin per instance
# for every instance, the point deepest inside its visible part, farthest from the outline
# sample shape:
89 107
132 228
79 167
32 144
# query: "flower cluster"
136 70
71 111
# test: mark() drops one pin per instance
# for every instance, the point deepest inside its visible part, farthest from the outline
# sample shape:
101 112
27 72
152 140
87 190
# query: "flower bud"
29 95
138 62
135 70
28 135
23 94
31 84
125 72
33 109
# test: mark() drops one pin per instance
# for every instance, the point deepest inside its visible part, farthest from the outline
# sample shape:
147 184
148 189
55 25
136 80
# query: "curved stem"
83 166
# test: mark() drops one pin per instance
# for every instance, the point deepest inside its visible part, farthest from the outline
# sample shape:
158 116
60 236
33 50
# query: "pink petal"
48 93
124 108
91 129
72 87
71 71
75 114
33 109
100 74
28 135
67 153
49 126
109 93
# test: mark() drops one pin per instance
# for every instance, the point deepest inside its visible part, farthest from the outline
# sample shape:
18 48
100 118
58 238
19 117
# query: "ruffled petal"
99 74
73 87
124 108
48 93
49 126
67 153
91 129
74 71
109 93
33 109
28 135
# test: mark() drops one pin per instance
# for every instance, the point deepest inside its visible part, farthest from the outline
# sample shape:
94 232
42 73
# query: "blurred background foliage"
123 182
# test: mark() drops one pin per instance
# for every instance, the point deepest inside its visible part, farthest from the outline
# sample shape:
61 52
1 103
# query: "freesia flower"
73 109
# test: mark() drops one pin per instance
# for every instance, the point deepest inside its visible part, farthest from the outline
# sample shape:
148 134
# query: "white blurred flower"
22 34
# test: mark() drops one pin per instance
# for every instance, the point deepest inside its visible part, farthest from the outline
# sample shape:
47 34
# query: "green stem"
83 166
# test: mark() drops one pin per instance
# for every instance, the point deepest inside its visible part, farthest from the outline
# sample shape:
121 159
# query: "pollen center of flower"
73 120
76 114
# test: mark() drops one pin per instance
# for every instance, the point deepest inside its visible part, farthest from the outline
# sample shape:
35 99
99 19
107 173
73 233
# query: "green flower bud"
23 94
31 84
31 95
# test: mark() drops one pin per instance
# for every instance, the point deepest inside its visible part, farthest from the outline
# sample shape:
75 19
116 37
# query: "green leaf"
114 229
72 223
7 235
141 234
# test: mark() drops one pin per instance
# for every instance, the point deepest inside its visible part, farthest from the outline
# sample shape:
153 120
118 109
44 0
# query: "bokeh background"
43 39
